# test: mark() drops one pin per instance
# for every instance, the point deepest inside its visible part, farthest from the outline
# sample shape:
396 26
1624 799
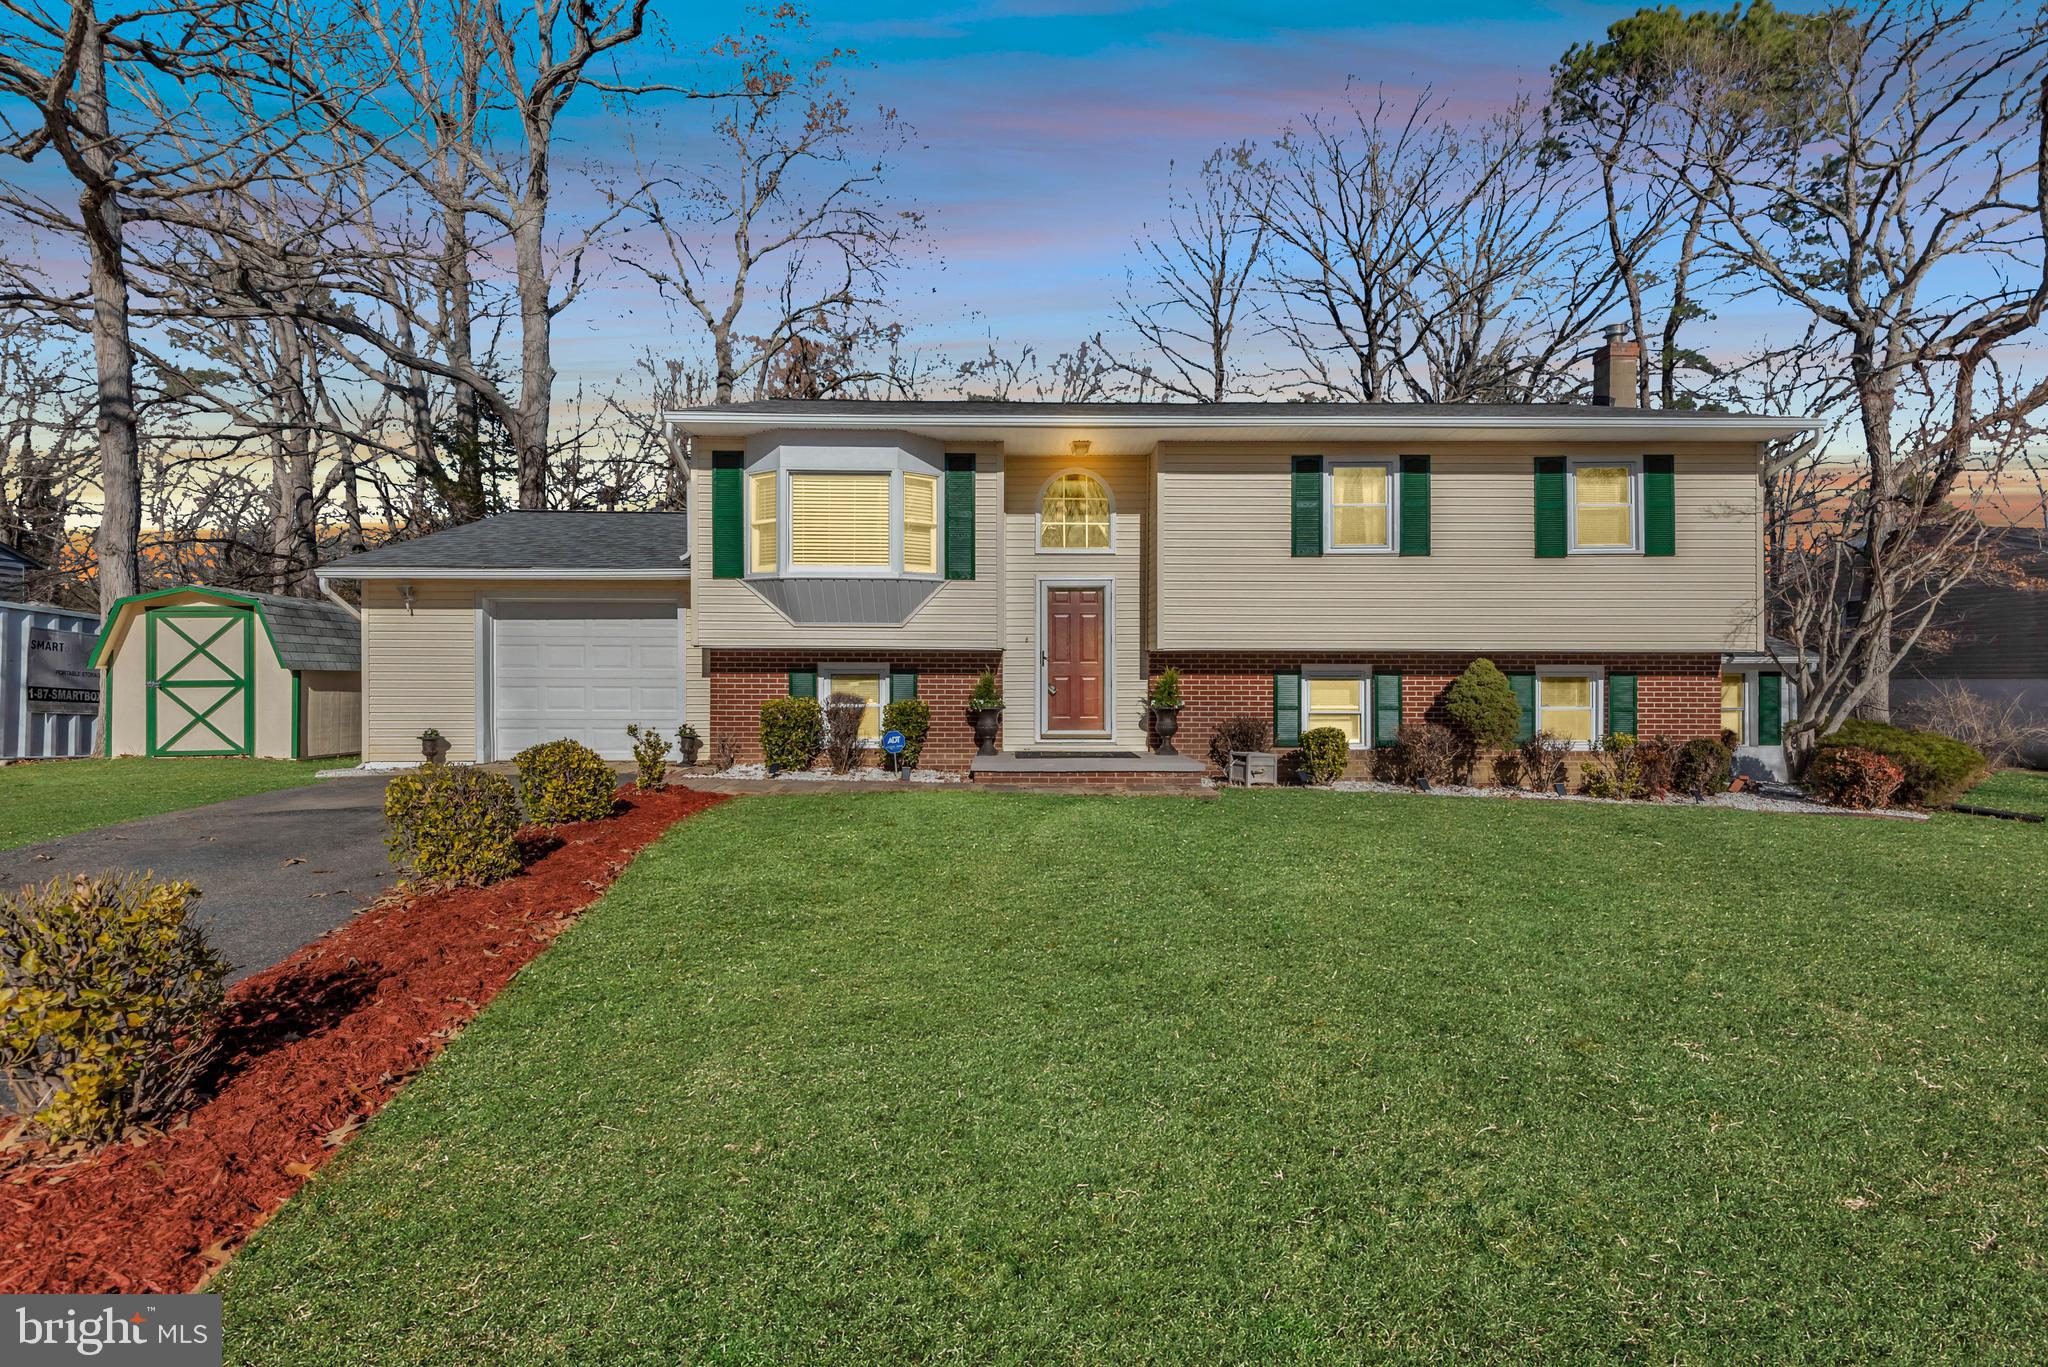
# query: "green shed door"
202 698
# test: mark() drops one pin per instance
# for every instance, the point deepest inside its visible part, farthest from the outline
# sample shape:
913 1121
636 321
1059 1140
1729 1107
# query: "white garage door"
583 669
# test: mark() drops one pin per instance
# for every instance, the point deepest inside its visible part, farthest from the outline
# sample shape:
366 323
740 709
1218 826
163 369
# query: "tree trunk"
120 531
536 371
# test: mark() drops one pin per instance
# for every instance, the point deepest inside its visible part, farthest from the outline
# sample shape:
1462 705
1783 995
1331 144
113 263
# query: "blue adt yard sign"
893 742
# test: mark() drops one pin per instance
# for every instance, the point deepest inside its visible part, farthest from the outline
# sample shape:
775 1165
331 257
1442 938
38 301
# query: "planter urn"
434 748
987 721
1165 722
687 750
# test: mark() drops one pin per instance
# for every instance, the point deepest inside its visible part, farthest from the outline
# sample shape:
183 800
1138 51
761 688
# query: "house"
15 568
1317 564
1993 639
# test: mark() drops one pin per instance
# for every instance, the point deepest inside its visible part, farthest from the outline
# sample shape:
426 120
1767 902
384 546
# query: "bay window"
838 521
763 546
920 524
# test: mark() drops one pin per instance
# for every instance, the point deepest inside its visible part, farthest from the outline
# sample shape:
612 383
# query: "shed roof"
304 632
538 541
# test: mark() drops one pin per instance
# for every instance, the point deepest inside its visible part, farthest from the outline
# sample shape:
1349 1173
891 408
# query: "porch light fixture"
1077 448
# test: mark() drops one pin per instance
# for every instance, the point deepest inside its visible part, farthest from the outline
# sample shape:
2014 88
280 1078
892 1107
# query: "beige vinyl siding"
965 614
330 713
419 666
1025 478
1227 582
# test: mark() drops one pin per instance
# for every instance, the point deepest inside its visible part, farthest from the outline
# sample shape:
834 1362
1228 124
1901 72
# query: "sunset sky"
1046 130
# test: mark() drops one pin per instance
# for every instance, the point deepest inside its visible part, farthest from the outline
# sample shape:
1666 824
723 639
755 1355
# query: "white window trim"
785 527
884 693
1038 515
1330 546
1362 673
1598 674
1750 696
1634 465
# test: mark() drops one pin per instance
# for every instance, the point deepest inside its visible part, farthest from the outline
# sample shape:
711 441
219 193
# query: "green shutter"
1287 707
1525 698
728 516
959 515
902 684
1660 507
1621 704
1770 709
1308 505
803 683
1415 505
1386 708
1550 534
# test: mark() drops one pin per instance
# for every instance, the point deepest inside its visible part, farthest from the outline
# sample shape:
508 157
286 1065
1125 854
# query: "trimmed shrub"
1657 765
1936 770
565 780
110 1003
1481 703
1846 776
913 717
1539 761
792 731
844 713
1704 767
1324 753
1427 753
1239 733
452 827
1615 769
650 757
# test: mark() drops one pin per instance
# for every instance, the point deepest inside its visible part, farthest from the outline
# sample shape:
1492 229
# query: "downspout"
327 590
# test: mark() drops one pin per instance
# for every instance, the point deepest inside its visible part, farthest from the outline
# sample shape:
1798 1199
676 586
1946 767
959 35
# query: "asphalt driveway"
274 871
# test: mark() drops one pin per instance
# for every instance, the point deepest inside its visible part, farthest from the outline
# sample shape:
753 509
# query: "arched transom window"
1074 515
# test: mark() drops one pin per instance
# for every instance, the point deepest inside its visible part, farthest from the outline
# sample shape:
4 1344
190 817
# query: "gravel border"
755 772
1741 802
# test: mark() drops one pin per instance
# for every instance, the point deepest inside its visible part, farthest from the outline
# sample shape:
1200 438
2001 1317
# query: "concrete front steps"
1174 775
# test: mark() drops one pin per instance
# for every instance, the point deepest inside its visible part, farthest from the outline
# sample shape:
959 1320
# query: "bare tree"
1198 284
1905 213
795 196
1411 258
48 458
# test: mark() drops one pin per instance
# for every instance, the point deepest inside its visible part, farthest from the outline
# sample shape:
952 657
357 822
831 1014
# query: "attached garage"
521 628
582 668
196 671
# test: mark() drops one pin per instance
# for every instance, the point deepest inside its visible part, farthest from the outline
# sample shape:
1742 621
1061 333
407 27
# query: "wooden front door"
1075 678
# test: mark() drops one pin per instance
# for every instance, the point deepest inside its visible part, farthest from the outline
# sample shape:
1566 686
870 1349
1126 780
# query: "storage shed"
49 694
206 671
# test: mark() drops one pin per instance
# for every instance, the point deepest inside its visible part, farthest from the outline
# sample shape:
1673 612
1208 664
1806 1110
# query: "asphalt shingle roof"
538 541
310 634
941 409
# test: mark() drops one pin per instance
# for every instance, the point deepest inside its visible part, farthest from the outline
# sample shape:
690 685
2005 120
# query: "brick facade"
741 680
1678 696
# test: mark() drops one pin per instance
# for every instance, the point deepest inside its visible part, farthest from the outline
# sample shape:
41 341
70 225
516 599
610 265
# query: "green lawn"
1282 1077
44 800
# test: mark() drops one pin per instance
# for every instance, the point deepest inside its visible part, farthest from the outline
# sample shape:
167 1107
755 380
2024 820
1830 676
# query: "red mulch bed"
316 1046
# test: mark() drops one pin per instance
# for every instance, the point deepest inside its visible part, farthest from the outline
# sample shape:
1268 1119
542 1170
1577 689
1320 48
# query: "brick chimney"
1615 364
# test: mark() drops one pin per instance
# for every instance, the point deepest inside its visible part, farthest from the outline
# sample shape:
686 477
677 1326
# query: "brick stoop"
1162 775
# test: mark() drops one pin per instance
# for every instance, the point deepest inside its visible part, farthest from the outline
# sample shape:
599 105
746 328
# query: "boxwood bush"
1481 703
110 1003
792 730
452 826
1704 767
1936 770
565 780
913 717
1324 753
